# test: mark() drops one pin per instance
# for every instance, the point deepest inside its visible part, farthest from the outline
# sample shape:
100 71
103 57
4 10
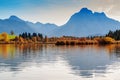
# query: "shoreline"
62 43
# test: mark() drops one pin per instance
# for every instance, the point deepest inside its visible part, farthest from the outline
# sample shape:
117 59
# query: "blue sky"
55 11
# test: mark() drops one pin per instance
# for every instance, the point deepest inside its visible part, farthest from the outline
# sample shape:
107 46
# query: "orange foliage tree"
105 40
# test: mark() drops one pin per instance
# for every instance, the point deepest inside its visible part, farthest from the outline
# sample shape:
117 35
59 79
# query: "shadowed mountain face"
87 23
18 26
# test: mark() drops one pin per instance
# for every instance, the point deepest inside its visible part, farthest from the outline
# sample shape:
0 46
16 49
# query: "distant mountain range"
87 23
13 23
83 23
42 28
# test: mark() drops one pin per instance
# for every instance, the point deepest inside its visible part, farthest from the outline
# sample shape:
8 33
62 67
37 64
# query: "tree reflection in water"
84 60
10 50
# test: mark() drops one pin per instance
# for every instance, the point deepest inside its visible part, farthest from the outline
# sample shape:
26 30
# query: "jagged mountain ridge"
87 23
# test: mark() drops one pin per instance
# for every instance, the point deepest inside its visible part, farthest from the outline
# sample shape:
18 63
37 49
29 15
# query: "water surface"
50 62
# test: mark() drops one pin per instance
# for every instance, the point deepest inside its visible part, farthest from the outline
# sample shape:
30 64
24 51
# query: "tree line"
114 34
30 37
26 35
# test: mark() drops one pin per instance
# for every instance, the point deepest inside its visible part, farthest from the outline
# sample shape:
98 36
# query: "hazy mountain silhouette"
18 26
14 23
42 28
86 23
15 18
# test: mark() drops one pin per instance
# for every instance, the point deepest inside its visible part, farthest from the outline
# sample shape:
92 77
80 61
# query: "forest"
110 38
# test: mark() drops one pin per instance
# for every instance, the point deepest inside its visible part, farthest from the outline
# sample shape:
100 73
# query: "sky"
55 11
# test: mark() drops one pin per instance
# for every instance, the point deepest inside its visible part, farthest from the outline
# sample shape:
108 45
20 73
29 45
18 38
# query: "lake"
50 62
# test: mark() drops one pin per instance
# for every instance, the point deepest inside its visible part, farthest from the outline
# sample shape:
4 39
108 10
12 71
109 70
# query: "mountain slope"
15 24
42 28
19 26
87 23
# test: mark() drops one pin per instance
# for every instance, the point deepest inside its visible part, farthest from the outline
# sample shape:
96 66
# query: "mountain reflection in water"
68 62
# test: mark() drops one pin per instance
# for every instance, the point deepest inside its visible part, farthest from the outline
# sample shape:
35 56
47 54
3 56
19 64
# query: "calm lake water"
50 62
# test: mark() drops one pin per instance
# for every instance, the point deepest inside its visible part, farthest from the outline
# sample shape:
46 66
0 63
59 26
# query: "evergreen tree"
12 32
34 35
29 36
114 34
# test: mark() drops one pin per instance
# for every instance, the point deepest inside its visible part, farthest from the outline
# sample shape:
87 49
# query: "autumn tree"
5 36
106 40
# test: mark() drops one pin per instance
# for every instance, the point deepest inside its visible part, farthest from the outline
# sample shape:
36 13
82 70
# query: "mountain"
19 26
87 23
15 18
81 24
42 28
15 24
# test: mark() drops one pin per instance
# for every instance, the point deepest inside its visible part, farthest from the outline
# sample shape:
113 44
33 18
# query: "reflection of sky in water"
49 62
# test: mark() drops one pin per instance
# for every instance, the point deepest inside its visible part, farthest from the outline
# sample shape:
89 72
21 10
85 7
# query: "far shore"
90 42
37 38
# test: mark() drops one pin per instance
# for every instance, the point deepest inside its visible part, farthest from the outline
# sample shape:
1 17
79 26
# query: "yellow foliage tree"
109 39
106 40
5 36
97 39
